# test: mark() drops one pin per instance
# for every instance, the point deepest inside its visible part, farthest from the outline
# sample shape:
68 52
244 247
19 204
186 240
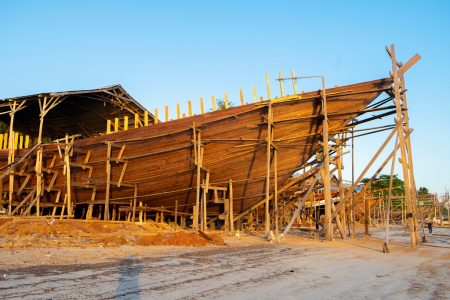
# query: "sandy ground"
249 268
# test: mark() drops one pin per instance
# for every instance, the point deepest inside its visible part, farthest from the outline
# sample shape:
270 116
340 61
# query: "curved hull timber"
159 162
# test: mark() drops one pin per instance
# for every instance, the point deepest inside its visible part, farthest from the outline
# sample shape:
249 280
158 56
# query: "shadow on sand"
128 281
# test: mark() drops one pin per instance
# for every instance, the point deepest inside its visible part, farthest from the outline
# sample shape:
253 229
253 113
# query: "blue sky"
170 51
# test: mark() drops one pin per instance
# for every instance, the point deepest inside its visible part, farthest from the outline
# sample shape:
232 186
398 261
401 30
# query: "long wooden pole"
326 167
108 181
275 182
268 155
11 156
230 207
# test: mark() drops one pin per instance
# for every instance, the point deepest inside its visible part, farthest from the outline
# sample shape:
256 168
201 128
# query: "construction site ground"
70 259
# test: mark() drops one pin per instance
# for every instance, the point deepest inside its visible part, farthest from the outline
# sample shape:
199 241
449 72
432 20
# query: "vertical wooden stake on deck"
178 111
225 100
108 181
241 96
202 108
145 119
255 96
136 119
294 82
156 117
166 113
268 87
189 108
213 103
280 78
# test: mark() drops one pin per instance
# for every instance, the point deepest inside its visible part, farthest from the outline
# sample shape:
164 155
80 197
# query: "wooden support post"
300 203
294 82
197 198
255 96
5 141
108 126
268 87
166 113
178 111
11 153
189 108
339 159
213 103
146 121
280 78
410 195
134 202
366 214
156 117
326 167
116 124
225 100
108 180
202 108
268 159
21 142
125 123
176 214
205 198
136 119
67 151
275 182
241 96
230 206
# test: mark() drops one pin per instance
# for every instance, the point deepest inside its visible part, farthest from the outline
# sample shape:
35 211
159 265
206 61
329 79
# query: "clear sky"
164 52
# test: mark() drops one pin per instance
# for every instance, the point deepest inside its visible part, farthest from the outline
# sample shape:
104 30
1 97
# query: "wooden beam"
300 203
411 62
231 206
108 181
326 167
268 160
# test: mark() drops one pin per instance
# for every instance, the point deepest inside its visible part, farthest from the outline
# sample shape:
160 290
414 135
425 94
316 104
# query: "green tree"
382 185
220 104
423 191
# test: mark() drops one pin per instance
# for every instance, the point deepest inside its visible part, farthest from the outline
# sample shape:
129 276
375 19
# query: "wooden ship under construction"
99 154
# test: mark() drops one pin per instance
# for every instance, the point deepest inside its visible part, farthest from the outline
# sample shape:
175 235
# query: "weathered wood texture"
160 158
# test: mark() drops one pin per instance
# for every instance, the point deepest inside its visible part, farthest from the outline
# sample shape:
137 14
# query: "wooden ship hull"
160 166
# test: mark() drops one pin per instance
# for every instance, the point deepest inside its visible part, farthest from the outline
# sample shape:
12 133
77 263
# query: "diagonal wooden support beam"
281 190
300 203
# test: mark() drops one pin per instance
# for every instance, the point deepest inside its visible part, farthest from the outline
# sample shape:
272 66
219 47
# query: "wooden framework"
216 168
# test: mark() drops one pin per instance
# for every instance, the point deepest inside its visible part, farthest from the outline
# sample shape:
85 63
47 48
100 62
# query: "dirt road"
248 269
